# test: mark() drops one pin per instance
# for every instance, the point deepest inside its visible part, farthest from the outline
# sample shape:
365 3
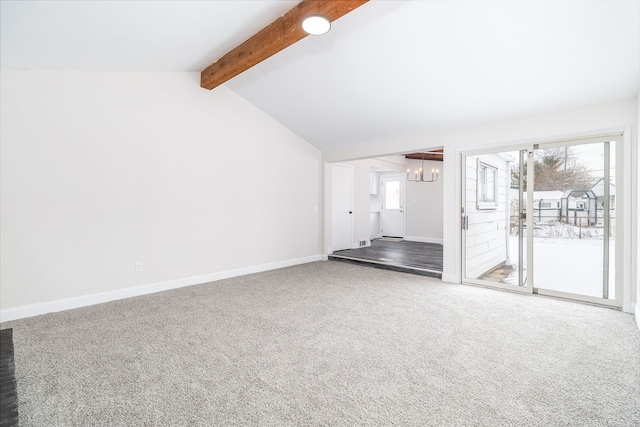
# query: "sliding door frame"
621 164
528 219
618 267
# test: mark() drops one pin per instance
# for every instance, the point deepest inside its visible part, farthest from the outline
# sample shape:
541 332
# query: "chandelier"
418 175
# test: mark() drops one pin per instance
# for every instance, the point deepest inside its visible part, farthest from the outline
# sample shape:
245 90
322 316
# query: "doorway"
396 224
392 208
542 219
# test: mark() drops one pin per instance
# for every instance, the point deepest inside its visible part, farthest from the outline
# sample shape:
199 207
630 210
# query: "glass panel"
490 177
492 248
392 195
518 215
487 185
569 224
612 221
481 183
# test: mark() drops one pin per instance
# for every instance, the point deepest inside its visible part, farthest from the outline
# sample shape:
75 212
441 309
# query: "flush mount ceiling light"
278 35
316 25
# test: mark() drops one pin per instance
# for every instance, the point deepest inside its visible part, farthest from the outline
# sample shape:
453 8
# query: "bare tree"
556 169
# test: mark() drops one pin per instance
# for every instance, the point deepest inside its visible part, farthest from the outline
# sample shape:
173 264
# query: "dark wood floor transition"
8 387
409 257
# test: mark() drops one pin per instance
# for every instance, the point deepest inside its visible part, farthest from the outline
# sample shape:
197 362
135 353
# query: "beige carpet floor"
330 343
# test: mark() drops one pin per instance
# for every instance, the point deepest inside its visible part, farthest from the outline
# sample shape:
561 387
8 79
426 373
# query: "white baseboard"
31 310
450 278
423 239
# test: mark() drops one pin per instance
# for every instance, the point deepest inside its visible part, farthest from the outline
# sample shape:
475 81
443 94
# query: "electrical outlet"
138 266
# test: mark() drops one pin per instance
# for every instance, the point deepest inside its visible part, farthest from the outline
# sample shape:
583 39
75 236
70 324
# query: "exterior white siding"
486 235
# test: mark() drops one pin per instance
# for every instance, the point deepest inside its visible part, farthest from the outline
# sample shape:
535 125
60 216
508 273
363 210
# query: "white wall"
361 202
636 209
100 170
375 205
424 205
583 121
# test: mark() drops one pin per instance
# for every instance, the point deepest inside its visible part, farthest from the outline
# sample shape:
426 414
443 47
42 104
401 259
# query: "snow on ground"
568 265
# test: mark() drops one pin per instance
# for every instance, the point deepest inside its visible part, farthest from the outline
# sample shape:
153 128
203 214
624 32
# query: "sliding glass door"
494 220
542 218
574 220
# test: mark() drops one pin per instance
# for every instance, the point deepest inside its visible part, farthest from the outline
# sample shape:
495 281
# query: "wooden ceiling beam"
280 34
437 155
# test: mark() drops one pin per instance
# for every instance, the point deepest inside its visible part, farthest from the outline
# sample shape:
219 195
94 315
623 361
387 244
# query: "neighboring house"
556 205
586 207
541 199
598 190
546 204
546 199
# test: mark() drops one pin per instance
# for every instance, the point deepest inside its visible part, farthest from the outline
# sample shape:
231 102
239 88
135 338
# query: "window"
392 195
487 186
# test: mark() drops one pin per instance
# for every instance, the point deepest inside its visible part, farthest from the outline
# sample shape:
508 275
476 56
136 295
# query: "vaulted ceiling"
388 68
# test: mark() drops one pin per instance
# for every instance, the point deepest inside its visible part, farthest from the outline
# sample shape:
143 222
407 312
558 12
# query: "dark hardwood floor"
410 257
8 387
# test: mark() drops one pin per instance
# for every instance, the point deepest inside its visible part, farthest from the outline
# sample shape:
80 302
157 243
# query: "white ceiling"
388 68
127 35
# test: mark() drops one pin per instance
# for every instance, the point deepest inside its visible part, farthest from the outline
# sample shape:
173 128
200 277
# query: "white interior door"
392 209
342 207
